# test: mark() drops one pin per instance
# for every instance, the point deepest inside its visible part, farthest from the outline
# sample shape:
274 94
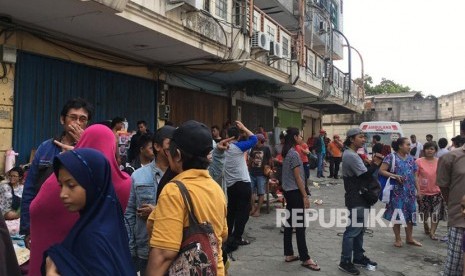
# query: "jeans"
295 201
239 195
258 184
321 158
306 170
334 163
352 240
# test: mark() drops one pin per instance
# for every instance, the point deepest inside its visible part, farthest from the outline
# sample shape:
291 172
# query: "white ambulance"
388 131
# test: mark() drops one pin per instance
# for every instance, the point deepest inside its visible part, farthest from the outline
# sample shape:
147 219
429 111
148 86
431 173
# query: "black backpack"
370 191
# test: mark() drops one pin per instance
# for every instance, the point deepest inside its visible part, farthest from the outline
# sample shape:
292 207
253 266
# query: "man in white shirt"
416 147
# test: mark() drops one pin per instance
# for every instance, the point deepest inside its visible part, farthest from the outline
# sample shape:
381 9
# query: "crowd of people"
184 206
428 178
81 200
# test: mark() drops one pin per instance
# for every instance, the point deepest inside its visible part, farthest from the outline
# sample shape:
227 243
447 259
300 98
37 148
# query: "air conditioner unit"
260 40
276 49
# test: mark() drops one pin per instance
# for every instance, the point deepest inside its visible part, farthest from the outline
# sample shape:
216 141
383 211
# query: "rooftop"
413 94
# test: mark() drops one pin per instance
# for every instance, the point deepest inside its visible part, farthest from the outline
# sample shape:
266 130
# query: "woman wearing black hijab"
9 263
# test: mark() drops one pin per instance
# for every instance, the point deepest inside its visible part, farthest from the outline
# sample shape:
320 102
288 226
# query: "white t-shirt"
441 152
419 147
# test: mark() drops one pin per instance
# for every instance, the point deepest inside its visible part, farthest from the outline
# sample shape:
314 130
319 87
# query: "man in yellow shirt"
189 148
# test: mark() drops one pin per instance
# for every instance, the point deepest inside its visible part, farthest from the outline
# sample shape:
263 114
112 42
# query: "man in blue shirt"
74 117
143 196
320 149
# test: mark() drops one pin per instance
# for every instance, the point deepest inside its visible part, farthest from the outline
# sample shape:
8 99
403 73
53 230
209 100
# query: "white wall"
446 130
340 130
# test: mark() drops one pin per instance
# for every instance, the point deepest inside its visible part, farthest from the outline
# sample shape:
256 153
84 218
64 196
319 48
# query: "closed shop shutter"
43 85
194 105
253 115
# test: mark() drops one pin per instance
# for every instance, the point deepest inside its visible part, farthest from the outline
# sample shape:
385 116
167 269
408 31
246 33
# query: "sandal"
292 259
243 242
312 265
433 237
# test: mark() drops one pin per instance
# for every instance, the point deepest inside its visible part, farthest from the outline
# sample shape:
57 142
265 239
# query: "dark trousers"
140 265
295 201
334 163
306 171
239 195
321 159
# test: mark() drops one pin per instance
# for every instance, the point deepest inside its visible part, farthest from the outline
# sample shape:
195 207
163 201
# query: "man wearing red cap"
319 149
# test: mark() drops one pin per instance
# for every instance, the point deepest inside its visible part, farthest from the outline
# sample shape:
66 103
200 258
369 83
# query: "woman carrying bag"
401 208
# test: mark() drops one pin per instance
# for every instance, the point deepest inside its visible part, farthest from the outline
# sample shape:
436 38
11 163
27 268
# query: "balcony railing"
207 26
222 33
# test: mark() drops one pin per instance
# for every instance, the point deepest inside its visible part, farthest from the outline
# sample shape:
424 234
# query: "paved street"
264 256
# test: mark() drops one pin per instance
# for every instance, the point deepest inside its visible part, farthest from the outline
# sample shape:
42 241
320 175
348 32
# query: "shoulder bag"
387 183
15 200
198 254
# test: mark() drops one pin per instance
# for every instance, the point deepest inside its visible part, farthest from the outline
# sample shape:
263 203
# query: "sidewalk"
264 256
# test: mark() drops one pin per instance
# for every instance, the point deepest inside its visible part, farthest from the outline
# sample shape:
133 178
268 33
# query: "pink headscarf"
101 138
50 221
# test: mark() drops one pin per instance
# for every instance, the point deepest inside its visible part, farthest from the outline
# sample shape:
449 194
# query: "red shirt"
303 156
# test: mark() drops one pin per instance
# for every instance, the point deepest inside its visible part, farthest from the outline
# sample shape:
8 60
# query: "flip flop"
243 242
414 243
433 237
397 244
312 266
293 259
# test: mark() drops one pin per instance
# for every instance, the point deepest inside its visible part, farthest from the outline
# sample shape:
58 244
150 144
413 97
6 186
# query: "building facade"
209 60
417 114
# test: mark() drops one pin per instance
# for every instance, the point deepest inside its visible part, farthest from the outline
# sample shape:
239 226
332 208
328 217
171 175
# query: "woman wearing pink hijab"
50 221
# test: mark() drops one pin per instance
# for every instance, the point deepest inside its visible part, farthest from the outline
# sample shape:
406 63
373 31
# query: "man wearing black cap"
355 174
188 155
142 198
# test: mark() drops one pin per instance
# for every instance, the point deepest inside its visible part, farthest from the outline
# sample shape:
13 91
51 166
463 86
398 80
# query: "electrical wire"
51 41
54 40
177 76
219 24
